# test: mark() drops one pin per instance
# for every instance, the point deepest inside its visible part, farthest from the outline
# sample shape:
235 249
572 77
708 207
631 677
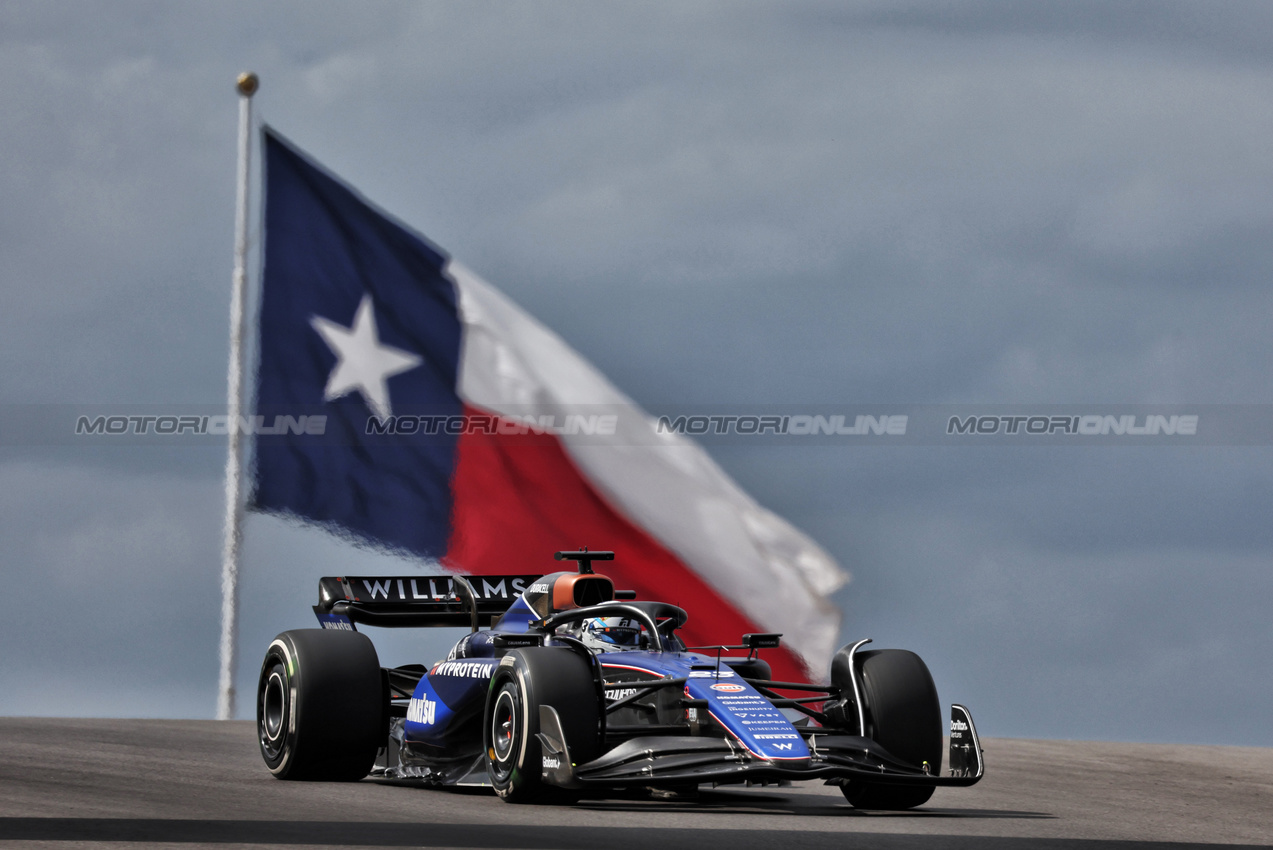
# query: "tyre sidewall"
529 678
277 683
333 716
904 717
903 711
516 778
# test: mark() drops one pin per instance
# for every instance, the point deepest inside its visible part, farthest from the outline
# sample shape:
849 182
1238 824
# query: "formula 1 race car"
578 688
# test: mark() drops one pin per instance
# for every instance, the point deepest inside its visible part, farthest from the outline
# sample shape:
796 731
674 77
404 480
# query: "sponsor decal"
538 587
782 746
465 669
728 688
958 726
551 763
433 588
620 693
461 649
378 588
517 640
710 674
785 735
423 711
497 590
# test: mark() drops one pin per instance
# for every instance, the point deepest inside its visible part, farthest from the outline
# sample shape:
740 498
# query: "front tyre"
903 715
536 676
320 705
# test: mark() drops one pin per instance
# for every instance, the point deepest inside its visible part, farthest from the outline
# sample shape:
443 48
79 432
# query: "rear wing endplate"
415 601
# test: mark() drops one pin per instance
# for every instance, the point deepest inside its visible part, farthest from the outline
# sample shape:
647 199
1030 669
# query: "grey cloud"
1231 30
116 576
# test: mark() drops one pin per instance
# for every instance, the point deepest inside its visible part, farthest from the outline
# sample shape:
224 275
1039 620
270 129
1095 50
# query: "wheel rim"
504 728
272 712
275 701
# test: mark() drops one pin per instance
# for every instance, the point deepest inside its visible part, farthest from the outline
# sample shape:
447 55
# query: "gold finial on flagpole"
248 83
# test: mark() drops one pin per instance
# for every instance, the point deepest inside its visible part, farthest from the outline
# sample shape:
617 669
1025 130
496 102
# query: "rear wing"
414 601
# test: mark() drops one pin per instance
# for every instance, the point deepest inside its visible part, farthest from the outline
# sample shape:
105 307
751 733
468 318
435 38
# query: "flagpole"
233 541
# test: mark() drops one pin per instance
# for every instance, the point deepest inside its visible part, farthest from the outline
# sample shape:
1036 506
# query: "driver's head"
612 633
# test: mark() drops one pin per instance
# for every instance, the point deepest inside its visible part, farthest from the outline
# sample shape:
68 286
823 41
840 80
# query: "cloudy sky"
838 205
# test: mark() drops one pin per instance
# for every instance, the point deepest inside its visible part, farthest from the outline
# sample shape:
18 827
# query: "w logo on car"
422 711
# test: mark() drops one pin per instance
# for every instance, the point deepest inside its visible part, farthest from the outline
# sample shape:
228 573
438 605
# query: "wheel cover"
272 711
504 732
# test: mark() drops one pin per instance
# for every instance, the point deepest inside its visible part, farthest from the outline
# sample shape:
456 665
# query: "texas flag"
460 429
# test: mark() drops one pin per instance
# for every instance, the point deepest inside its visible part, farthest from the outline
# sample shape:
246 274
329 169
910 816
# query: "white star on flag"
362 363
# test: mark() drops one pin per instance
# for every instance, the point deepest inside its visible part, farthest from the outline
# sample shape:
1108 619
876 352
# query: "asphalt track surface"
128 783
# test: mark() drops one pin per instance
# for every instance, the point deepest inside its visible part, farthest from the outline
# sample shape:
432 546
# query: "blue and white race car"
578 688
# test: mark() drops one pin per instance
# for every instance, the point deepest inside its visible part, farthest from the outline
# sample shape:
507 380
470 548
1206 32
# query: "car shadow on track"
793 805
541 836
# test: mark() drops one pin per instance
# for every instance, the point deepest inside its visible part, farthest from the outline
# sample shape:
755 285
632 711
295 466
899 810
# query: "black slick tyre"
525 680
320 705
903 715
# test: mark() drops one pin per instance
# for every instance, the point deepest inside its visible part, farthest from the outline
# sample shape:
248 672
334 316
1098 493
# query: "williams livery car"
576 688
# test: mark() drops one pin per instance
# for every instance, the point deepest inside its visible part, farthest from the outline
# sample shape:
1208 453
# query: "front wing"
683 759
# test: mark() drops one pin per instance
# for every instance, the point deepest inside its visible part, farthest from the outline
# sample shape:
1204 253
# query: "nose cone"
747 715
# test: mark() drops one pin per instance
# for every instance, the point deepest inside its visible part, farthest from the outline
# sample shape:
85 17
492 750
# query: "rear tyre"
903 715
557 677
320 705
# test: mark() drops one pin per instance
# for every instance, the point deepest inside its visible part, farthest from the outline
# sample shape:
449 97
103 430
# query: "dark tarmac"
181 783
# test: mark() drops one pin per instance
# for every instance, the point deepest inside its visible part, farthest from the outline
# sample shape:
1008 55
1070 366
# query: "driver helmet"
611 633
